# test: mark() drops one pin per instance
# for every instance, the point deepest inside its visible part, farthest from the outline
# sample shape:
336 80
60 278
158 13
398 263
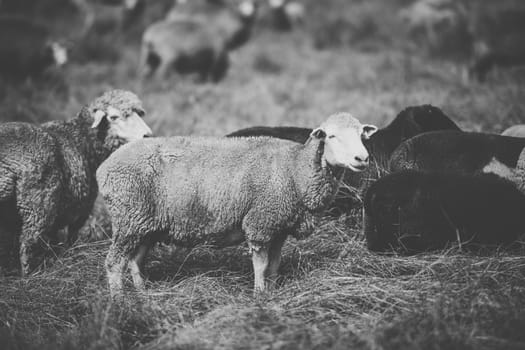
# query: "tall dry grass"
333 293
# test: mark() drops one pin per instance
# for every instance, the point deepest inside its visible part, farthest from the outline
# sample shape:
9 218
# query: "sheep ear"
368 130
318 134
99 115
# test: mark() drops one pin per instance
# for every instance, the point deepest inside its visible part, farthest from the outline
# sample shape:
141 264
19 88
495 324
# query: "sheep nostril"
361 159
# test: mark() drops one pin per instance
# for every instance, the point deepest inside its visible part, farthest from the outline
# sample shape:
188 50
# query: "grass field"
333 294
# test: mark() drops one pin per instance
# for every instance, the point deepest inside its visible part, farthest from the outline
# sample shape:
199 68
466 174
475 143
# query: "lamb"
196 44
409 122
26 49
414 212
517 130
456 152
47 172
191 190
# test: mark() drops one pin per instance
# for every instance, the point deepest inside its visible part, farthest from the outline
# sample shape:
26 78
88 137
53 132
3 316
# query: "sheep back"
198 189
417 211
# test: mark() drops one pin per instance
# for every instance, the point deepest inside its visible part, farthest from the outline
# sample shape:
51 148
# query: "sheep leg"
260 261
38 225
274 259
74 228
115 264
135 265
220 67
31 254
164 68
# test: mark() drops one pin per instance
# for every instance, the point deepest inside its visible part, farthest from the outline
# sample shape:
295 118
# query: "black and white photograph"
262 174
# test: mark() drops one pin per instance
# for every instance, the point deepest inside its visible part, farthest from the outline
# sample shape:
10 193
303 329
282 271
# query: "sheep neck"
316 180
76 134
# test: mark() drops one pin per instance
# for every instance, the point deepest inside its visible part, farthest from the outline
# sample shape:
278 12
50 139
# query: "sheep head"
342 135
120 112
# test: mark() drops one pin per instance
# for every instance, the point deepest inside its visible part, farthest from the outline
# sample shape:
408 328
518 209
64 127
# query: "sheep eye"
331 136
113 117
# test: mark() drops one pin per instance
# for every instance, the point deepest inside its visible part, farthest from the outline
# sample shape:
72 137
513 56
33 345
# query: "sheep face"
343 146
128 127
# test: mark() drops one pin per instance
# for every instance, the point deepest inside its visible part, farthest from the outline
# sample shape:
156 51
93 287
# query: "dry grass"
333 294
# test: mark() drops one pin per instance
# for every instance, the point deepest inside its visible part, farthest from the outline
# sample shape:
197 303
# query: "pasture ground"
333 294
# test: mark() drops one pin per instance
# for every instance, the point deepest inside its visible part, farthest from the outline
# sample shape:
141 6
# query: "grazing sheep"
286 13
415 211
224 191
439 25
409 122
459 152
517 130
47 172
26 49
196 44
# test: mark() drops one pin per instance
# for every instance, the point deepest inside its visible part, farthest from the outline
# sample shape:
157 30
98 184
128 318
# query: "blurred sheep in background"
196 40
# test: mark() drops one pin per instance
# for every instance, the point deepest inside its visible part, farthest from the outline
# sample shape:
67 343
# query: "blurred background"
213 66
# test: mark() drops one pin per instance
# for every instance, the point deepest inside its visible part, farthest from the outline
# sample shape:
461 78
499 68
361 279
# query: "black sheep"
414 212
465 153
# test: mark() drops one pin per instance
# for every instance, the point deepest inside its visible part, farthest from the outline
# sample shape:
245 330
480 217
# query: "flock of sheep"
426 183
198 36
194 36
258 185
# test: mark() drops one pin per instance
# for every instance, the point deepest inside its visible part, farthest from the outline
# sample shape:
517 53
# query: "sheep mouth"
357 168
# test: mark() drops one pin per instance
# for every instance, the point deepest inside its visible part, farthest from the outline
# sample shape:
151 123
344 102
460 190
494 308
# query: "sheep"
440 25
196 44
517 130
414 212
409 122
26 49
286 13
47 172
191 190
456 152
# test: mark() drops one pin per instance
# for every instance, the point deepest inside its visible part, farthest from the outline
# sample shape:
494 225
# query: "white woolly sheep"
409 122
47 172
222 191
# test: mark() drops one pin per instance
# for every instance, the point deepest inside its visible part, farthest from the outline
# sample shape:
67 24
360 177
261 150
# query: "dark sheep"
415 212
409 122
47 172
456 152
26 49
